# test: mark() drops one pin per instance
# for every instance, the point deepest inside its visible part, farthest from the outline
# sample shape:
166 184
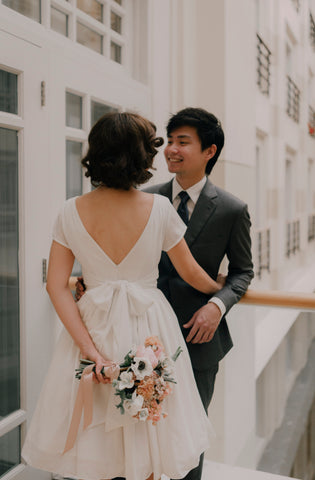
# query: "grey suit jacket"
219 226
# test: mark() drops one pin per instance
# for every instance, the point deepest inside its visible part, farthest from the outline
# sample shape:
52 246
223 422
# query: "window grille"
311 121
293 100
263 66
311 228
263 251
293 237
312 31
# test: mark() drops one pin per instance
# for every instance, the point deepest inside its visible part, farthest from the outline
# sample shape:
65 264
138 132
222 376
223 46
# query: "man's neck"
186 183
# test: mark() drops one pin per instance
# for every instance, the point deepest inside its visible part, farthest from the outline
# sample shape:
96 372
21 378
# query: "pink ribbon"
84 401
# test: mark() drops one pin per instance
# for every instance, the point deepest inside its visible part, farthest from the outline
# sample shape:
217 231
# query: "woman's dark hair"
208 127
121 150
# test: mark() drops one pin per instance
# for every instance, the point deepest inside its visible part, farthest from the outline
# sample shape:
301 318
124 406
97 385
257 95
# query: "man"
218 224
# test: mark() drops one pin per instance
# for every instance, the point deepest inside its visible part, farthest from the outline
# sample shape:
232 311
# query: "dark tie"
182 207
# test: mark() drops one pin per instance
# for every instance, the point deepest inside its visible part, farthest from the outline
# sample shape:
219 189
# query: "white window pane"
115 22
8 92
89 38
98 110
74 169
59 21
73 110
115 52
92 8
29 8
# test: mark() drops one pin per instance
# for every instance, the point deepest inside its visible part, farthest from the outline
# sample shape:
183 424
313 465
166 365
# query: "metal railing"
292 237
263 251
311 228
312 31
293 100
263 66
311 121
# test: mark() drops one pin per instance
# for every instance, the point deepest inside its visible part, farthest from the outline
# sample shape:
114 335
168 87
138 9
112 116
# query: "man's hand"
203 324
79 288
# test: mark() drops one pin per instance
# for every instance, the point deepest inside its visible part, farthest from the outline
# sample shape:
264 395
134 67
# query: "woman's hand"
100 362
221 279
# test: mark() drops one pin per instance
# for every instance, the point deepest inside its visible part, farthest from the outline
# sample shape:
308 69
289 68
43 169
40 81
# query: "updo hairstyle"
121 150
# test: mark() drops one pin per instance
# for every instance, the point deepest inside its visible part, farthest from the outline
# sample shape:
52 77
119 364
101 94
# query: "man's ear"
211 151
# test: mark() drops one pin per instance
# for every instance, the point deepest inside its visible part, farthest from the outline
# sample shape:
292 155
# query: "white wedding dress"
121 307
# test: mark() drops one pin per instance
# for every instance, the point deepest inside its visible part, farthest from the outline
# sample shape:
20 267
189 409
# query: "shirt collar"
193 191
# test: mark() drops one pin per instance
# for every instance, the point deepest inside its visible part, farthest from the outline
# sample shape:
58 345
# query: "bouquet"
143 380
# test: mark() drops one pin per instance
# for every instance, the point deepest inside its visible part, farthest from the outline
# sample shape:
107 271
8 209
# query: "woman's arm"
191 271
59 270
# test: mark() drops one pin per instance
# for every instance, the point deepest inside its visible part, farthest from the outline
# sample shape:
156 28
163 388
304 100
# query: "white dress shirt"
194 193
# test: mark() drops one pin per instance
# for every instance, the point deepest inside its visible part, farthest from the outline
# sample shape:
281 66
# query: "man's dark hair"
208 128
121 150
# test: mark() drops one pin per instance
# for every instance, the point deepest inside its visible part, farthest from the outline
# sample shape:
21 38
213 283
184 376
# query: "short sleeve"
58 232
174 230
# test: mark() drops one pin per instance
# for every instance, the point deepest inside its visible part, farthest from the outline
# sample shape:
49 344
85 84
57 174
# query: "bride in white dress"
117 233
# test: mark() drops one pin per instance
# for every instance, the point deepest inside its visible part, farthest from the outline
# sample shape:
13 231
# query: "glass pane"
74 181
59 21
29 8
8 92
74 168
92 8
73 110
115 52
119 2
10 447
115 22
89 38
98 110
9 274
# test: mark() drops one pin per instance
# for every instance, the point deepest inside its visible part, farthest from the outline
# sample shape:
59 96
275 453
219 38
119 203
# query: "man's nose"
173 148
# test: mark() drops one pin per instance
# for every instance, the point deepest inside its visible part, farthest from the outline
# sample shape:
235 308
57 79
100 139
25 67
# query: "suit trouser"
205 383
205 380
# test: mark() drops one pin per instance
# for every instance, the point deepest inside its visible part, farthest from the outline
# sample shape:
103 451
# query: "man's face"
184 155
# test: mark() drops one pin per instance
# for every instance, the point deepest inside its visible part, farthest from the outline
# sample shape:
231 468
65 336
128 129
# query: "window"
115 52
92 8
8 92
59 21
98 110
263 66
9 450
29 8
89 38
73 110
74 169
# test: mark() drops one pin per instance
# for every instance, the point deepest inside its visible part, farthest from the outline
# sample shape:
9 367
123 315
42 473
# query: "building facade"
63 64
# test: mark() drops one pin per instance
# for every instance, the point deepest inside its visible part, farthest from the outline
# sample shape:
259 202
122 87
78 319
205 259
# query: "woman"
117 233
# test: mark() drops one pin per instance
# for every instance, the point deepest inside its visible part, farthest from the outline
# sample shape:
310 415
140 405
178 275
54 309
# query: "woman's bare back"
115 219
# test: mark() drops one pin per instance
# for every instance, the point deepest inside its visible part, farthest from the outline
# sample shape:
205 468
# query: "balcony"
292 237
311 122
263 251
293 100
263 66
311 228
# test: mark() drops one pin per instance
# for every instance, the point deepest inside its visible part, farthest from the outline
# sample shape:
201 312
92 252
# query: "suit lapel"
166 189
204 208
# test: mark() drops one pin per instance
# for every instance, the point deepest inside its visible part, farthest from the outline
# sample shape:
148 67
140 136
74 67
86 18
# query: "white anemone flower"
142 367
168 366
143 414
134 405
126 380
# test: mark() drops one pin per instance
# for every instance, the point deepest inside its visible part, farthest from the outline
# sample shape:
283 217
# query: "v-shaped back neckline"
99 247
